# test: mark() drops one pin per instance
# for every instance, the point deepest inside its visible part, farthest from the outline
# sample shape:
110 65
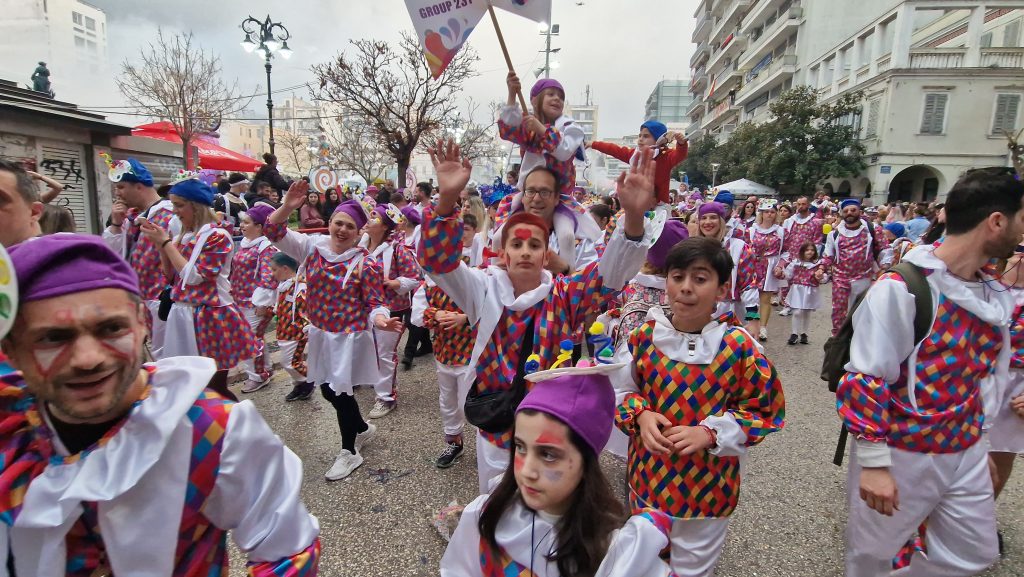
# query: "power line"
101 108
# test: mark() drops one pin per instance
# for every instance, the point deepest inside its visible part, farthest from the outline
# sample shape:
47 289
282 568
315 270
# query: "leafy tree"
389 86
697 165
806 142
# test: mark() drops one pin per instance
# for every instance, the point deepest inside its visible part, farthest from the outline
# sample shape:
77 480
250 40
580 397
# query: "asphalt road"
377 522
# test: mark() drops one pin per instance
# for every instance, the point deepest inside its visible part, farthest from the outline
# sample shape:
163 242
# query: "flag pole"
504 50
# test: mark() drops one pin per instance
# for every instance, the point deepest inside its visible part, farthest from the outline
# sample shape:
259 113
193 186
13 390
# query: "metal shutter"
934 116
1006 113
65 164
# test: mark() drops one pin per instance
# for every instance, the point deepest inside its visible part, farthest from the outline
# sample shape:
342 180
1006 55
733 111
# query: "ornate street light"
714 172
267 38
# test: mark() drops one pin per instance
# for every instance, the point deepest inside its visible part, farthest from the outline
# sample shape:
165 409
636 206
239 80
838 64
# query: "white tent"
744 187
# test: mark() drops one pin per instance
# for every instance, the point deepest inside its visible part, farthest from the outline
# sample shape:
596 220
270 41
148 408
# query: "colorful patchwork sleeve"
746 270
408 271
631 402
373 284
883 338
510 128
440 242
583 292
302 564
216 253
265 279
758 403
552 139
275 232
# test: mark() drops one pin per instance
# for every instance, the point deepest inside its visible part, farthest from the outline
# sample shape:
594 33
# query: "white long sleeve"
467 287
419 305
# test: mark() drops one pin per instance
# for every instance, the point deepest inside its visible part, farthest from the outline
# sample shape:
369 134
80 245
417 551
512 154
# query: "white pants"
696 546
491 464
387 352
287 351
249 365
1007 432
952 491
156 337
801 321
454 384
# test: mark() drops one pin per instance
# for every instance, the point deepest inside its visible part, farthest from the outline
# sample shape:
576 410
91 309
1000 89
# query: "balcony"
732 15
700 78
766 73
700 55
732 46
1002 58
946 58
759 12
729 77
697 103
703 29
722 112
761 45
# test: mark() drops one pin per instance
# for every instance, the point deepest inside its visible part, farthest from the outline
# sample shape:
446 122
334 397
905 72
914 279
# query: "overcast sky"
620 48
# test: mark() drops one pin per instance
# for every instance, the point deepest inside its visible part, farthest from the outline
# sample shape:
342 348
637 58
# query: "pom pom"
566 345
597 328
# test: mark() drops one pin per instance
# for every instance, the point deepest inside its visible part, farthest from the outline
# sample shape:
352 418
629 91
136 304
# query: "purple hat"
412 214
354 209
673 233
260 212
372 188
60 264
582 399
544 83
714 208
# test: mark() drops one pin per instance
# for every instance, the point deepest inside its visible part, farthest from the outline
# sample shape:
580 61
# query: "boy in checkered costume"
694 395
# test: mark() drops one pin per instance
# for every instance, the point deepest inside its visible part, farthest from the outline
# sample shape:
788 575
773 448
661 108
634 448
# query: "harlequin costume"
850 258
584 401
803 297
253 286
1006 434
928 431
555 310
665 160
397 263
343 295
182 468
574 232
719 379
453 349
204 319
893 254
742 301
766 244
290 311
138 250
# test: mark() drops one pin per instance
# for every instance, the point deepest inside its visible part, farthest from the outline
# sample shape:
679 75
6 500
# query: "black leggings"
350 421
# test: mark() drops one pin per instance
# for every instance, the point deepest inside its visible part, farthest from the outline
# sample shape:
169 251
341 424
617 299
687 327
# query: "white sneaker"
365 437
252 386
343 466
785 312
763 335
381 408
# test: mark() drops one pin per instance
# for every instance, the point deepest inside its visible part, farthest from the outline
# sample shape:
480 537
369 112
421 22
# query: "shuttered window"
874 108
933 120
1007 106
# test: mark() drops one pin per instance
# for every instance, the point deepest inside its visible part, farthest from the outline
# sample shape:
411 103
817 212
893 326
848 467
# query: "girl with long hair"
805 275
309 213
385 241
331 201
553 513
204 319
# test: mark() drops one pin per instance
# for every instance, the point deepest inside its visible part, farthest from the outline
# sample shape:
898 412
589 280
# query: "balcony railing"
946 58
758 42
721 109
757 78
703 27
699 54
1002 57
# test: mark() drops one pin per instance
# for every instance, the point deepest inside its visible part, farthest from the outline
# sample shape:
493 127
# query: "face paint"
553 476
49 359
523 233
122 346
518 462
550 437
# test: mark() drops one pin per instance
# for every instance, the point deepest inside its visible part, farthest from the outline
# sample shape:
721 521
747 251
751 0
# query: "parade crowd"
562 324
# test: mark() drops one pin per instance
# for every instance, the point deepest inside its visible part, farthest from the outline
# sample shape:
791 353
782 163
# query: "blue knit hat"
897 229
194 190
725 197
656 128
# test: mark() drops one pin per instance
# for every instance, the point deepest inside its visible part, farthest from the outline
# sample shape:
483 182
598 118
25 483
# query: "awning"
744 187
211 156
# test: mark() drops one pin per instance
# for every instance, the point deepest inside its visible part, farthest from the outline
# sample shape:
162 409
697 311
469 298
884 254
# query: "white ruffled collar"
323 246
851 232
260 241
650 281
506 294
700 349
113 469
995 309
796 218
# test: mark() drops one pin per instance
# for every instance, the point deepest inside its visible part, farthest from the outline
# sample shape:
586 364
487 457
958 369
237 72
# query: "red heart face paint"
523 233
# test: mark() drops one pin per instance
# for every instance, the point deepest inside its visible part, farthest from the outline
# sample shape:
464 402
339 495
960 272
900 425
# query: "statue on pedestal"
41 80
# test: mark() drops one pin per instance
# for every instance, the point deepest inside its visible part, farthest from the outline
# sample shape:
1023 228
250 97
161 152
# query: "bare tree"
296 151
354 144
180 82
390 88
477 139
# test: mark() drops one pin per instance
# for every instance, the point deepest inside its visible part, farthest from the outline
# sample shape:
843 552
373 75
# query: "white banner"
443 26
536 10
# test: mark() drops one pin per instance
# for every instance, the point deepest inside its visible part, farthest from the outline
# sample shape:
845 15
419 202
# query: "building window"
874 109
933 121
1007 106
76 18
90 24
986 40
1011 34
79 42
91 45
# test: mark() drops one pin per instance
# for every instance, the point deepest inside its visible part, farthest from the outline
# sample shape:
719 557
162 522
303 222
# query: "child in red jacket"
652 134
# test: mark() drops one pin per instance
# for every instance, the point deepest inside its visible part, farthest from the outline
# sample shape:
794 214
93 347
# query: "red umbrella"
211 156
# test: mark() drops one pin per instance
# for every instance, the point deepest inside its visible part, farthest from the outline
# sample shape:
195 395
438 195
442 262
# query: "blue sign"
886 169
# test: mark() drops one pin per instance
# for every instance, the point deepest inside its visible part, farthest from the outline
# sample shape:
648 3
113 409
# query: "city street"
378 522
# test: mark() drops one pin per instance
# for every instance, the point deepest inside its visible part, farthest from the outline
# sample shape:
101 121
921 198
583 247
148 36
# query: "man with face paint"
136 197
518 307
851 258
100 449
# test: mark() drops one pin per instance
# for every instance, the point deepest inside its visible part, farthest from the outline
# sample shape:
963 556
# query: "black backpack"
837 348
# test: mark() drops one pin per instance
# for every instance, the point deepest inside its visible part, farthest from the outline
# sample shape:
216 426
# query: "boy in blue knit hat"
653 134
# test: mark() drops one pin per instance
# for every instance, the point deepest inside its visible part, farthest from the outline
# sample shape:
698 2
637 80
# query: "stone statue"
41 79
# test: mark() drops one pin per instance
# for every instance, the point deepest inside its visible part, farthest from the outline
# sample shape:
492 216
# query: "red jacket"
664 163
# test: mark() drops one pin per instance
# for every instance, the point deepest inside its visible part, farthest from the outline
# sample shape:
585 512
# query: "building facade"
69 35
941 80
669 102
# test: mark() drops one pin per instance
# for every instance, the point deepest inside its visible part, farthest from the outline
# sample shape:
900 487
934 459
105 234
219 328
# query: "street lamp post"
714 172
548 30
267 38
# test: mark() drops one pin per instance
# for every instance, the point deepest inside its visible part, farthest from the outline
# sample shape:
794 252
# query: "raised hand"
296 195
118 212
453 172
533 125
635 189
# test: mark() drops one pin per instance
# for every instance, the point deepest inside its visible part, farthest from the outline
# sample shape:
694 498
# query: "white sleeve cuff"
732 441
511 115
871 454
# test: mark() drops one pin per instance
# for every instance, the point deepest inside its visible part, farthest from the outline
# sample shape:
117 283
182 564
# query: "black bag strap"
524 354
917 285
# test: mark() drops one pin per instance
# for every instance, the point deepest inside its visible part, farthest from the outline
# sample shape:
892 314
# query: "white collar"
996 310
852 232
796 218
698 349
246 243
506 294
650 281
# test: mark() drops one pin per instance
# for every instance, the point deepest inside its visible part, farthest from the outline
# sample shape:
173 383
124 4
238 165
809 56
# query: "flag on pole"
443 26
